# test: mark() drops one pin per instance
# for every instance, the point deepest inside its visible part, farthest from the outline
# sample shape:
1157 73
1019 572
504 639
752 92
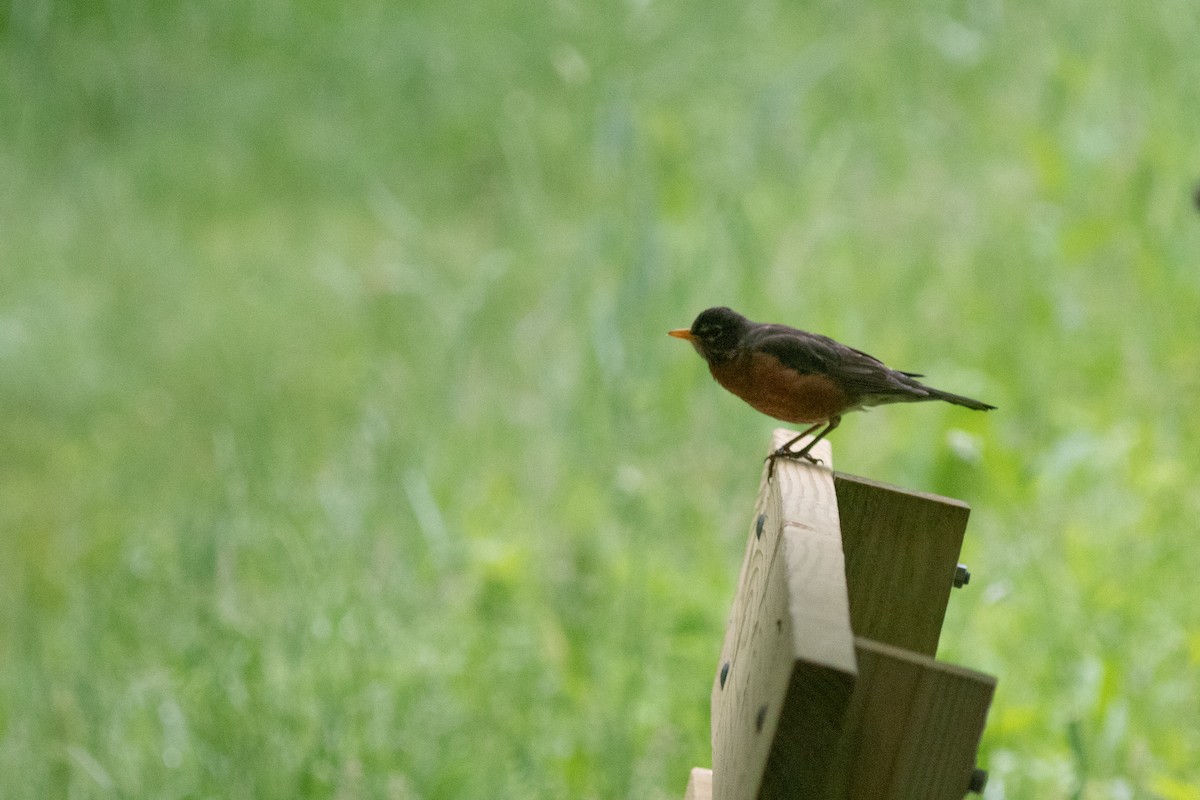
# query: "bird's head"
715 333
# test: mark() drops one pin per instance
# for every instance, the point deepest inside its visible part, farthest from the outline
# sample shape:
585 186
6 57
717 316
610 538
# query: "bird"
801 378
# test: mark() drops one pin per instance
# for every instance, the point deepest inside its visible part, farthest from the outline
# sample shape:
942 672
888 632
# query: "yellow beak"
681 333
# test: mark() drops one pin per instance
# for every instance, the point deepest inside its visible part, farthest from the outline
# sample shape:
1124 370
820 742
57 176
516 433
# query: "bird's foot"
801 455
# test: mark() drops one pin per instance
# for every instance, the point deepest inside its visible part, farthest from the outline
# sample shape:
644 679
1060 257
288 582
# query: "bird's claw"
788 454
791 456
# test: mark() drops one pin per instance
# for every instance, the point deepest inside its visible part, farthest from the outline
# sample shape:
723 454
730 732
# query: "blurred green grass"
343 452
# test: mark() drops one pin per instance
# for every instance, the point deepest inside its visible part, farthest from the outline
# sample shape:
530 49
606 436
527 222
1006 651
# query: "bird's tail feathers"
958 399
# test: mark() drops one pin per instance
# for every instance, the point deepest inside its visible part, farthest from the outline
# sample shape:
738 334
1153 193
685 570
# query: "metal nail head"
978 781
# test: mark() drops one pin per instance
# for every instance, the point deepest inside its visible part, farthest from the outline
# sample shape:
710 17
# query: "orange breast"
781 392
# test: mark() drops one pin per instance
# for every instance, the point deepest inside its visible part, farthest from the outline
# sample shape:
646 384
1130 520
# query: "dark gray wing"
862 375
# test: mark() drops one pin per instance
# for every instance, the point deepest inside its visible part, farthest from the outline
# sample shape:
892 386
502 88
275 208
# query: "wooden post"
787 668
802 707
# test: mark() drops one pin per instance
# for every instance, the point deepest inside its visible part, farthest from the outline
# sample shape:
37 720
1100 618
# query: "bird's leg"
803 453
833 423
785 450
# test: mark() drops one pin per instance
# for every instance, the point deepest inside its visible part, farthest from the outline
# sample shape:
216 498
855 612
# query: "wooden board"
913 728
699 784
787 666
901 551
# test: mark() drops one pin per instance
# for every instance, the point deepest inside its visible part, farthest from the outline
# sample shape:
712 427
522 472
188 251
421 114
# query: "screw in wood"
758 525
962 576
724 673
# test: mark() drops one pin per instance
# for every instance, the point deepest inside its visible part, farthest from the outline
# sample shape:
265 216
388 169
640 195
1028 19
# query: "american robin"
800 377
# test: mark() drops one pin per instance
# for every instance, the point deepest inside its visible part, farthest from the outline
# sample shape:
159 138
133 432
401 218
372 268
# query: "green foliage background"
342 453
